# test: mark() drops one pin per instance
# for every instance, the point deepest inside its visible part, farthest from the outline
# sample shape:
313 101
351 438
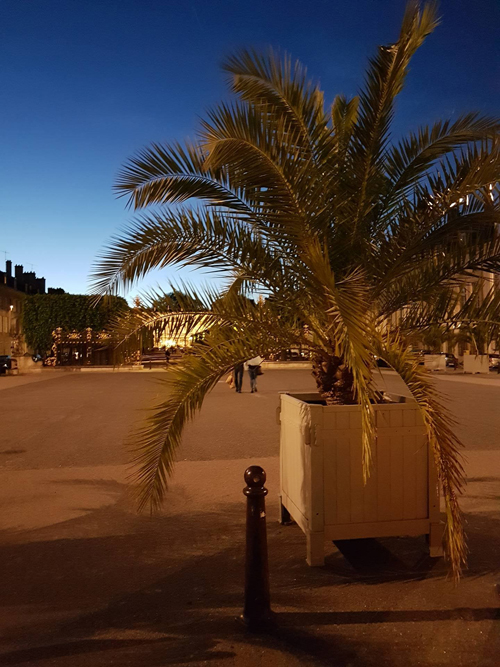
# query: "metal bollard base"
266 623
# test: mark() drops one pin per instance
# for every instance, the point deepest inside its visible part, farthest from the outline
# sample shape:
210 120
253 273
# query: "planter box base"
315 541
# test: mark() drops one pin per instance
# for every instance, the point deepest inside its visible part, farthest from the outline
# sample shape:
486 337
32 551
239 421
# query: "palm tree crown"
362 239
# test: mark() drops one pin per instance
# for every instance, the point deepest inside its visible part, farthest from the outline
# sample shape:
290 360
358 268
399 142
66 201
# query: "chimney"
19 270
8 268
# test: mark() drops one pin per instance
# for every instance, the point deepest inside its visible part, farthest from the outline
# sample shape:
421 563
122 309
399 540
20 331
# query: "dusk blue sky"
85 83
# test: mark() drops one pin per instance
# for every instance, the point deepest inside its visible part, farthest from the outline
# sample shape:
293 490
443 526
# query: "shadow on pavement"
370 561
397 616
378 561
167 591
68 649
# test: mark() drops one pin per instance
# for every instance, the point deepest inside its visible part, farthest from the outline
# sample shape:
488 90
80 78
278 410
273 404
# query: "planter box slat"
384 498
343 487
382 528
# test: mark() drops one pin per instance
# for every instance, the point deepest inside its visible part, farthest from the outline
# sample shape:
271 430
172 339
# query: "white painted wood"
410 452
476 364
434 504
315 549
322 482
343 489
316 467
435 539
383 509
396 478
296 514
435 362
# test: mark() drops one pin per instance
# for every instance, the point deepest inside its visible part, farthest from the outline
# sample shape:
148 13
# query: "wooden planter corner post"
257 613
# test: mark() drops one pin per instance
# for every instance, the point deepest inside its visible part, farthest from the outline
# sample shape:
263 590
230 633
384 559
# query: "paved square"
85 580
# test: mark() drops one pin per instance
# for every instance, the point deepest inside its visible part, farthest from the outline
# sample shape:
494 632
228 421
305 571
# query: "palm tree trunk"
334 380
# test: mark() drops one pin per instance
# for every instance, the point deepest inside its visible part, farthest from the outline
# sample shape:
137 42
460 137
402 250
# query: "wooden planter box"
479 363
321 479
435 362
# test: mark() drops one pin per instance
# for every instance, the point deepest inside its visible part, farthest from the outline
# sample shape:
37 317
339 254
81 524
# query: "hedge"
42 313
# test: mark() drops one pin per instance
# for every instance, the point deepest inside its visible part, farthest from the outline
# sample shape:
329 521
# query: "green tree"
363 239
43 313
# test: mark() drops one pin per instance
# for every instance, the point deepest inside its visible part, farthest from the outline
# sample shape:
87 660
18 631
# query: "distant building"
14 287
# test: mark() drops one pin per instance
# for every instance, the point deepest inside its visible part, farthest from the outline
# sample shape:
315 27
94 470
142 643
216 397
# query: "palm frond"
445 444
210 239
261 154
277 83
423 279
187 385
348 327
173 174
353 334
385 79
466 173
447 245
409 161
344 118
131 331
457 311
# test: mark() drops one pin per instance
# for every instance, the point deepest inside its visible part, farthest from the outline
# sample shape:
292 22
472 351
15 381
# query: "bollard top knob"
255 476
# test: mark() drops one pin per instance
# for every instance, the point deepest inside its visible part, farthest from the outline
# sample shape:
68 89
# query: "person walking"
253 366
238 377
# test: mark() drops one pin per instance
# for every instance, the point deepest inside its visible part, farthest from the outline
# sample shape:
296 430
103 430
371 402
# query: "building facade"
14 286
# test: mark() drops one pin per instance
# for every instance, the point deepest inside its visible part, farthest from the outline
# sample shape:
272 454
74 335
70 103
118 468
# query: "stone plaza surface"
86 580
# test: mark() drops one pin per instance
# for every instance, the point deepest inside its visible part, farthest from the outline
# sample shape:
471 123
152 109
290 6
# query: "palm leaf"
210 240
277 83
384 81
444 443
187 385
410 160
173 174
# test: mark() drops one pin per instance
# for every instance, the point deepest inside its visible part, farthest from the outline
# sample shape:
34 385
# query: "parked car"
494 361
5 363
451 360
381 363
298 354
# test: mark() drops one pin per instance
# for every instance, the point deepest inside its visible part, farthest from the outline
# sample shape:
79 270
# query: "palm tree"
364 240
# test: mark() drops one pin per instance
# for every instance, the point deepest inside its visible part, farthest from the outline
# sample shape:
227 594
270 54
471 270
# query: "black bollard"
257 613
